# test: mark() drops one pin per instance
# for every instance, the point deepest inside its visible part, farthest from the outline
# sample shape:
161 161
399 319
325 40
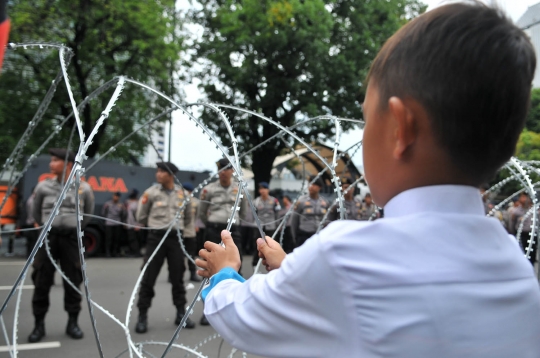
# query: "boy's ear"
405 126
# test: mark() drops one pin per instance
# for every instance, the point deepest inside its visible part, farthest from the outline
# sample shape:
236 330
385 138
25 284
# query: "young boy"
446 100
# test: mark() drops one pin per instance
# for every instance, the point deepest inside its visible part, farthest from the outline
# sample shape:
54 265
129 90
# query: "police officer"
369 209
288 241
217 200
308 213
190 234
157 209
352 204
115 211
62 242
268 209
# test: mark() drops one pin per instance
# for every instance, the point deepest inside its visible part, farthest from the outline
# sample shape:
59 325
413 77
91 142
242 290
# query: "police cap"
263 184
188 186
167 166
222 163
61 153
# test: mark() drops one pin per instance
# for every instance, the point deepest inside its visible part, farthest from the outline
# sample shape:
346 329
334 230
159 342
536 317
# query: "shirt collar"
458 199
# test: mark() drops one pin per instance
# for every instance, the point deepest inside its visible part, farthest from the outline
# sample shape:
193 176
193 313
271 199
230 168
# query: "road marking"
7 288
30 346
12 263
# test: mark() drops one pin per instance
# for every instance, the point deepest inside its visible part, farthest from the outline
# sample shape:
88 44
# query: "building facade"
530 23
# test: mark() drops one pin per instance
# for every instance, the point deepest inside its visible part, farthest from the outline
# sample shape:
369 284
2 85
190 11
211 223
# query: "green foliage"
528 146
533 118
290 60
108 38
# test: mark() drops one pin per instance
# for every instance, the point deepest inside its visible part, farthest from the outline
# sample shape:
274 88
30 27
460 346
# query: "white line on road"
30 346
5 288
12 263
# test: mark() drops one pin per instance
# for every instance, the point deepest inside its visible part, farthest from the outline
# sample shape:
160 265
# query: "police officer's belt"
218 226
63 231
163 232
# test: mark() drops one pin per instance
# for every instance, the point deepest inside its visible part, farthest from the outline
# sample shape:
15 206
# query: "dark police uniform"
63 246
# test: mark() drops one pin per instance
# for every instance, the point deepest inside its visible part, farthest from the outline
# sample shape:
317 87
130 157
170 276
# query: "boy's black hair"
472 69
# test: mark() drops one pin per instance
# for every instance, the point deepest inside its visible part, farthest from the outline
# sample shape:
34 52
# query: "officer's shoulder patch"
144 198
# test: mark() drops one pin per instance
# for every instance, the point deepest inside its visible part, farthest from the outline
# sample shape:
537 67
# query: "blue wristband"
224 274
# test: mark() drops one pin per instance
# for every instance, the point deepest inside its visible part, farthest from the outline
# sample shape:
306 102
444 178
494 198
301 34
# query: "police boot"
204 321
189 323
39 330
72 328
142 323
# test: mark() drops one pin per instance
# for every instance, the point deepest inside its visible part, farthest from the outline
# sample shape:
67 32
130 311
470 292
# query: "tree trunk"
263 159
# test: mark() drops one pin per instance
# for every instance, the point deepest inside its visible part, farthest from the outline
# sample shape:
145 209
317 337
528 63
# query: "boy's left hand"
216 257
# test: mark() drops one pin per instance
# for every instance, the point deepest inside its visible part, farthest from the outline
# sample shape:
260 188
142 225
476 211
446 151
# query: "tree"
108 38
289 60
528 146
533 118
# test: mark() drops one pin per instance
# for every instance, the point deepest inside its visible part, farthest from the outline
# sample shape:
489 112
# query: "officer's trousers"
213 233
302 236
65 251
191 248
31 238
256 252
201 236
134 241
113 233
171 250
288 240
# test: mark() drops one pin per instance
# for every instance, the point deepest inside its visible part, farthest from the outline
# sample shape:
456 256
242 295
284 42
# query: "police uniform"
267 211
190 234
215 210
368 211
157 209
116 212
353 209
288 240
63 244
307 216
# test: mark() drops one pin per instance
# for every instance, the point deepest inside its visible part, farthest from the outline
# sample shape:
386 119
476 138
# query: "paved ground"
111 283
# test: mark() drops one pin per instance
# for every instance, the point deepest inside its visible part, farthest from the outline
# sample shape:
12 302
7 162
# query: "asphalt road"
111 283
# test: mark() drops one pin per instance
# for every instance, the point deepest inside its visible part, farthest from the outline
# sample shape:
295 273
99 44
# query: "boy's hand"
216 257
271 253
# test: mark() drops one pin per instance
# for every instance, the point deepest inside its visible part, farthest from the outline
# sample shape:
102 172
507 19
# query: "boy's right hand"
271 253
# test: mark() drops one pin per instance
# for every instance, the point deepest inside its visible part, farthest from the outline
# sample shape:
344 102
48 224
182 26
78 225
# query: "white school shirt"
434 278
